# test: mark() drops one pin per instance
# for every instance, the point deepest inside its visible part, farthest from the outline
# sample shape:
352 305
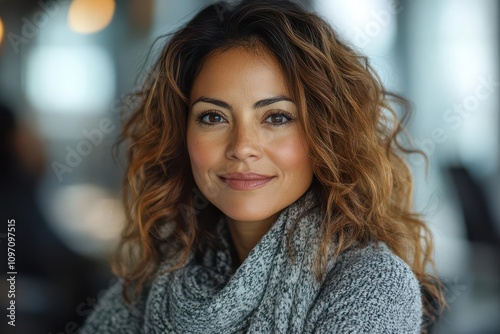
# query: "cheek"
195 150
200 152
291 155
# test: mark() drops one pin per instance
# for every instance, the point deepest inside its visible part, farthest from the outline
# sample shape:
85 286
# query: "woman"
266 190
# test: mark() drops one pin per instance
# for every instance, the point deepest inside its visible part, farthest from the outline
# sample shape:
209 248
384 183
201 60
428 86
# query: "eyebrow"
256 105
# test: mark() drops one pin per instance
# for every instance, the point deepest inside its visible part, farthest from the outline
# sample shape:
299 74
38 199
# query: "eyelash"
287 115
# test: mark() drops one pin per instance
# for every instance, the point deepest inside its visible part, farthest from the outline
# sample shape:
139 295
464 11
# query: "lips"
245 181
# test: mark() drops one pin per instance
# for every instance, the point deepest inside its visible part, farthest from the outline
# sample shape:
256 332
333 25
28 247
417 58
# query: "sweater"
365 289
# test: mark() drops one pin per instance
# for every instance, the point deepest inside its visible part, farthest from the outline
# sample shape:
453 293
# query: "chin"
240 213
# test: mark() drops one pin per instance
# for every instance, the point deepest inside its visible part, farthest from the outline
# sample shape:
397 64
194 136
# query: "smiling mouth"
250 184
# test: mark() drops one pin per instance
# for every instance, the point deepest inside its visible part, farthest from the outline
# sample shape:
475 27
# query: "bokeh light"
90 16
1 31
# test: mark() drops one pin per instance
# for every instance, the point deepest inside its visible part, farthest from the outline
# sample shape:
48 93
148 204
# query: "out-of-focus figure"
51 279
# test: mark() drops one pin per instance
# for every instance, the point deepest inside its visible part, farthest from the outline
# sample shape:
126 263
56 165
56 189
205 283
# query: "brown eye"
213 118
279 118
209 118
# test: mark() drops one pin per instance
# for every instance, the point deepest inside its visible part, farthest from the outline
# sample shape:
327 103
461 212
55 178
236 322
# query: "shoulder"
369 289
112 315
361 267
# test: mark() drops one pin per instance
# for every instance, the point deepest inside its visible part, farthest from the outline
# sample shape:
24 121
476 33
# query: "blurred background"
64 66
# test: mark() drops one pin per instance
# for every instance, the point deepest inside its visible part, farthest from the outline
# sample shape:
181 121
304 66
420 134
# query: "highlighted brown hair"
354 135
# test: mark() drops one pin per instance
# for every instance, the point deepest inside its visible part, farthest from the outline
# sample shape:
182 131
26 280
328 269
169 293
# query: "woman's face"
241 119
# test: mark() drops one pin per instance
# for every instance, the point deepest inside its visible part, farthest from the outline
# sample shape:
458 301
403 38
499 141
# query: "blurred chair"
479 223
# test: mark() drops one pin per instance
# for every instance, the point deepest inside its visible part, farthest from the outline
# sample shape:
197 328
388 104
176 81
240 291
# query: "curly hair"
355 138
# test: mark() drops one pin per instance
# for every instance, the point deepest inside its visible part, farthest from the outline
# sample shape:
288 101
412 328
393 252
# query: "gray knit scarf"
267 288
370 291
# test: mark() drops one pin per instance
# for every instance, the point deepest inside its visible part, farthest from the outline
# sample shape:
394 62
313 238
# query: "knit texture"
365 290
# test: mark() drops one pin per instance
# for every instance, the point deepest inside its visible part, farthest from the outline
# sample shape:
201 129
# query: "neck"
246 234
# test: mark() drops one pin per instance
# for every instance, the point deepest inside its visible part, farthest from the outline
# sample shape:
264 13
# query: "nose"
244 143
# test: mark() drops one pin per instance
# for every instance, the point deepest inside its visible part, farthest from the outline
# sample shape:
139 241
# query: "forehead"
240 71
